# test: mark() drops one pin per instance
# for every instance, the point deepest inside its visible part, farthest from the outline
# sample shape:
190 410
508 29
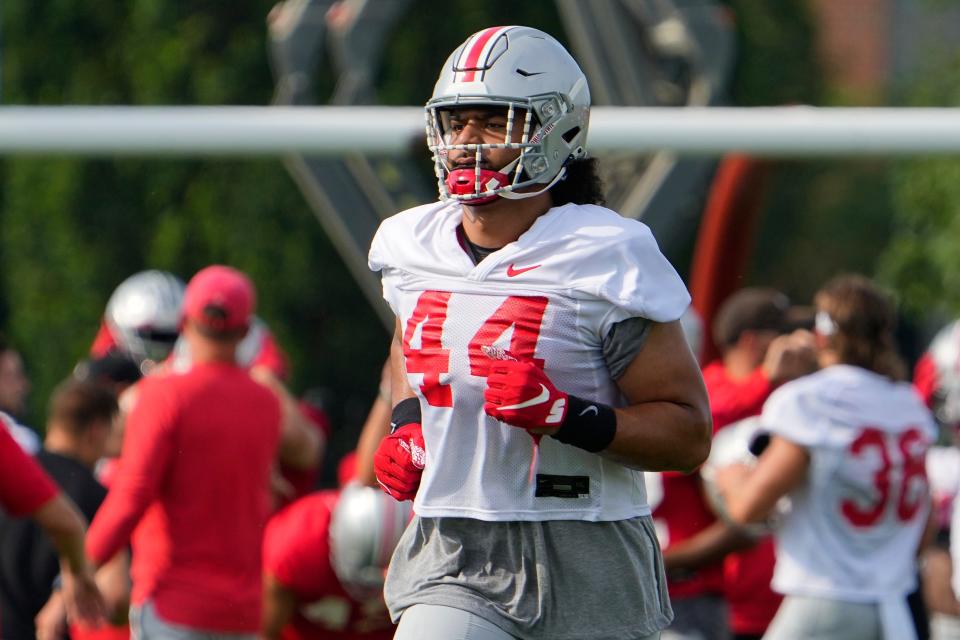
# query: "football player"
539 365
324 558
847 447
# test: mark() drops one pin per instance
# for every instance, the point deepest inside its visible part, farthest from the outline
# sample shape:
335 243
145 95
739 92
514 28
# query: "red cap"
220 298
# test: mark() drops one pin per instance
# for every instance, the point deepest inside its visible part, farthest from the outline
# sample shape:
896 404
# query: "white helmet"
739 443
945 352
530 74
364 529
143 314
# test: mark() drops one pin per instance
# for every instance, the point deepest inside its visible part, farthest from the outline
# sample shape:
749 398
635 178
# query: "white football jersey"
855 523
552 295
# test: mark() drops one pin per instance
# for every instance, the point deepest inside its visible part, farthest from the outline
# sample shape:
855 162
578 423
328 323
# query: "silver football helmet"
143 314
543 91
364 529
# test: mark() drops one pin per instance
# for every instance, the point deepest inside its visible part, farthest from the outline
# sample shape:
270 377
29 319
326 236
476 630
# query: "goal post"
265 131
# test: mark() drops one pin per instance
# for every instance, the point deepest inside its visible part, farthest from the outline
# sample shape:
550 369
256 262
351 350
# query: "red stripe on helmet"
473 57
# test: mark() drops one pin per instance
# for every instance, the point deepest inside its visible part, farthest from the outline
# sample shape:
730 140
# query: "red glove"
520 394
399 460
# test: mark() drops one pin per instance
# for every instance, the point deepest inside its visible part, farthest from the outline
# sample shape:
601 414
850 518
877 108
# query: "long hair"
863 322
582 184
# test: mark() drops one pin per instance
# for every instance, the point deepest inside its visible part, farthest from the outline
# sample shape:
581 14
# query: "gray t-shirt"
551 580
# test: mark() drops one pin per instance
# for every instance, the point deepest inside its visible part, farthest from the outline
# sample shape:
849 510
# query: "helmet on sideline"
143 314
364 529
543 91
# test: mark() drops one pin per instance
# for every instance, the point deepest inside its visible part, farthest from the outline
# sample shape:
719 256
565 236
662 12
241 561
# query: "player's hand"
520 394
82 597
51 620
399 460
790 356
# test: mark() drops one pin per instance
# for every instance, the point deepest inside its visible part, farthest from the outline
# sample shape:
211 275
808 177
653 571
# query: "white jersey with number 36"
855 524
550 296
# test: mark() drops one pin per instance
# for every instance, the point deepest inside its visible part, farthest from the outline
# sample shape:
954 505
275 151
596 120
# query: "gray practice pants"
802 617
433 622
145 625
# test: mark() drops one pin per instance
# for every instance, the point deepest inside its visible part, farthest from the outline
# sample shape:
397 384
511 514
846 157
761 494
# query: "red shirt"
296 551
685 513
746 574
24 485
196 459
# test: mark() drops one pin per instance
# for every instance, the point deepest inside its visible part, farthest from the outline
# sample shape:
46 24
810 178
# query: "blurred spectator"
14 389
14 384
324 559
78 425
27 490
197 457
846 549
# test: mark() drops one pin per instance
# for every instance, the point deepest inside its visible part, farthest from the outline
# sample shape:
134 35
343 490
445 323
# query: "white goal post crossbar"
265 131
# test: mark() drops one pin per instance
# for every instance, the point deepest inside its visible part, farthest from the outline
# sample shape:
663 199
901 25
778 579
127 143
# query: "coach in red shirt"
198 449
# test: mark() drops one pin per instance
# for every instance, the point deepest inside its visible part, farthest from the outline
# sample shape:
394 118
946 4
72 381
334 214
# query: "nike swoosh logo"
589 409
540 399
513 271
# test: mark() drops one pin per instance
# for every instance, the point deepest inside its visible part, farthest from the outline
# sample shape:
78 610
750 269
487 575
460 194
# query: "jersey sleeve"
788 414
638 280
381 259
24 485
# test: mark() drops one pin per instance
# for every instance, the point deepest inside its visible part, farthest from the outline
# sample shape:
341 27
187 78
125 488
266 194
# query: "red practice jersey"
24 485
296 551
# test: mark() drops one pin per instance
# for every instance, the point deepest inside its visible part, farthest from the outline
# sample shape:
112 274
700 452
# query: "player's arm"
400 457
279 604
707 546
148 449
400 389
666 425
301 445
750 495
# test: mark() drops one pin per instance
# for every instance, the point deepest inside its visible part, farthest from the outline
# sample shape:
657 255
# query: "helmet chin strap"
517 195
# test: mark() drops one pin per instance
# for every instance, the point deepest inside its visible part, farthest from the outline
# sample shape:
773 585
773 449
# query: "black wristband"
406 412
588 425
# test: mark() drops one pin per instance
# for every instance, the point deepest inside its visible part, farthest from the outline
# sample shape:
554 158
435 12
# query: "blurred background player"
27 491
79 421
142 318
847 447
324 559
142 323
937 378
717 593
198 451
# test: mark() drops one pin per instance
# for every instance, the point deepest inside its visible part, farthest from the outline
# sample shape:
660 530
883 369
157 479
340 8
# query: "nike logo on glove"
590 409
540 399
512 271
